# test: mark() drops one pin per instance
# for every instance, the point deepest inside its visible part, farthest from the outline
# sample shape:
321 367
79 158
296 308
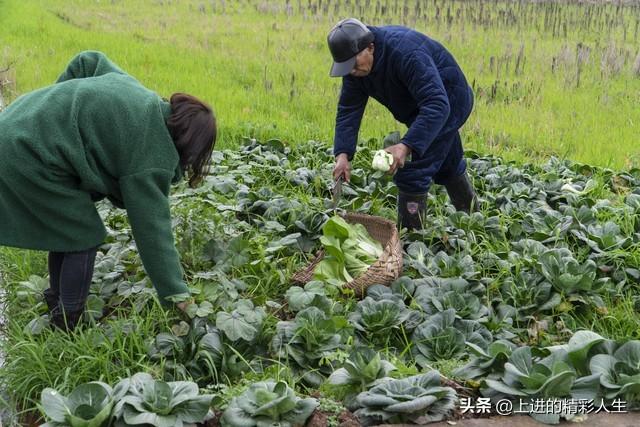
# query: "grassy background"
550 79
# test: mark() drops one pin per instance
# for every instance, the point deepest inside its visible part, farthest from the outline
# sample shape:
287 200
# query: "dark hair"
192 126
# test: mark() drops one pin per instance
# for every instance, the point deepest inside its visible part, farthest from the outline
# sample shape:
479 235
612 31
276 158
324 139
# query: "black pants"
70 276
442 162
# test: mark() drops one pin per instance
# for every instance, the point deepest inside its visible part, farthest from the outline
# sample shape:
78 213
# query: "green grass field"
550 79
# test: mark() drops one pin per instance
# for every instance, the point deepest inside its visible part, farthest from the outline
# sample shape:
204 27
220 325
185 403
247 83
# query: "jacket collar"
165 107
378 52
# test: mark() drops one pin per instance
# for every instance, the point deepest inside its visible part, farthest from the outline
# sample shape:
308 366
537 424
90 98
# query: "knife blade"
337 192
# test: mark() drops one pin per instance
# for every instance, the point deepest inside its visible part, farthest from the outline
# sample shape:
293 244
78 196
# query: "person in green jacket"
97 132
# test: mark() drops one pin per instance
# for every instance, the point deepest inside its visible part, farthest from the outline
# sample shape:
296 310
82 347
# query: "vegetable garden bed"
534 297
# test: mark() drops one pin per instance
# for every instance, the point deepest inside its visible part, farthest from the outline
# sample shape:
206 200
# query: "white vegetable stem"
382 161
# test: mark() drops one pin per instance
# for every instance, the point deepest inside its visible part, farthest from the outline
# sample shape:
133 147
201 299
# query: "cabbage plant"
620 373
419 399
377 320
266 404
88 405
578 282
310 341
486 363
362 370
529 293
443 337
531 374
444 265
313 294
135 401
603 238
439 294
546 225
148 402
244 322
189 351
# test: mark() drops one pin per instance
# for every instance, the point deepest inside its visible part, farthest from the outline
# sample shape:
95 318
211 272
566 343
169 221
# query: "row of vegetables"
589 367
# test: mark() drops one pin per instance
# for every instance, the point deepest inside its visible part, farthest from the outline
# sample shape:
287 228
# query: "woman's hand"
184 305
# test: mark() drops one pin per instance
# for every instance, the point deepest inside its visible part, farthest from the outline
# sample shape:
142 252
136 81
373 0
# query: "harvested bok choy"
382 160
349 251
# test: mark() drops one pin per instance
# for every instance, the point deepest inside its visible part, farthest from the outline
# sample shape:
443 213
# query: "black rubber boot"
411 210
461 194
51 299
65 320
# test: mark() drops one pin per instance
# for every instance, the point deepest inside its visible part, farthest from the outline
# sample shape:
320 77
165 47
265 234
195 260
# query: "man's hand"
399 152
342 167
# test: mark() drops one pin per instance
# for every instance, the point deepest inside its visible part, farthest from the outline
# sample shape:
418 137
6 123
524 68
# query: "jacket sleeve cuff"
170 300
416 148
349 154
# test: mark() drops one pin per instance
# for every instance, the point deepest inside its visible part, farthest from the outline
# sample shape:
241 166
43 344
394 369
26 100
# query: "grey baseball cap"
346 40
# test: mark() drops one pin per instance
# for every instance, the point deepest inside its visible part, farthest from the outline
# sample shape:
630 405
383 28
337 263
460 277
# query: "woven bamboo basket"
384 271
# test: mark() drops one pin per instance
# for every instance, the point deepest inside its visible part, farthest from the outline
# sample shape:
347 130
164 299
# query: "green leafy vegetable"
88 405
382 161
268 403
157 403
350 251
362 370
419 399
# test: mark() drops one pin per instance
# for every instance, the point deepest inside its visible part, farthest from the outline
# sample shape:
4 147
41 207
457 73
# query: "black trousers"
442 162
70 276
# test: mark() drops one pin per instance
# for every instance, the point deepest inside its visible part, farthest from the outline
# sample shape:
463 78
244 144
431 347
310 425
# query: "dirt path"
594 420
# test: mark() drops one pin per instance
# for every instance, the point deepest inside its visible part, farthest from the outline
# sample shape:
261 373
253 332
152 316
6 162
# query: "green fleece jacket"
96 132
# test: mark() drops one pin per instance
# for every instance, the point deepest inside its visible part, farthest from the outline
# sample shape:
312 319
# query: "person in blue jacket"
421 84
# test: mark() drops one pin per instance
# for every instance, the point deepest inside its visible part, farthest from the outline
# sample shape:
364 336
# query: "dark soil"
31 419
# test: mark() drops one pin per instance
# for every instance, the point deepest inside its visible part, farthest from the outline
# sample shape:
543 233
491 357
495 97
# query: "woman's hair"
192 126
